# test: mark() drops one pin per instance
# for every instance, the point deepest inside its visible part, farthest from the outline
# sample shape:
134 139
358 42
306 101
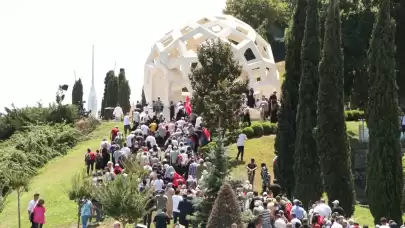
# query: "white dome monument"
172 57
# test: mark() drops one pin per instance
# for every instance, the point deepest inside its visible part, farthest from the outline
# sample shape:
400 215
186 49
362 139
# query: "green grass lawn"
262 149
52 182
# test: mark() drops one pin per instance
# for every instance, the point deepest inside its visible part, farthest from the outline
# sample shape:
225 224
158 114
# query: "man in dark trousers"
186 208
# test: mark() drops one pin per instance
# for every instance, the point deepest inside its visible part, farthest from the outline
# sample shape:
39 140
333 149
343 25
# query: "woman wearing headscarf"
169 193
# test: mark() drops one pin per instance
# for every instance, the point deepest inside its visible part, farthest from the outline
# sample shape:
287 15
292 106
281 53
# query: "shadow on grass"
234 163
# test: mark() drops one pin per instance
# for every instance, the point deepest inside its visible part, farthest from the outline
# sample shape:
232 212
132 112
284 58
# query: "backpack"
99 159
90 157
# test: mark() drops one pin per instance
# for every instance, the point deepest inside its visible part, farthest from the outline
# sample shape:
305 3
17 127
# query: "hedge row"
32 147
260 129
354 115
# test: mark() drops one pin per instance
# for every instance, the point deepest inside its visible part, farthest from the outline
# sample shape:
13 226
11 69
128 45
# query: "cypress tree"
213 183
110 96
143 98
333 146
289 98
400 47
308 184
77 93
384 165
225 211
124 92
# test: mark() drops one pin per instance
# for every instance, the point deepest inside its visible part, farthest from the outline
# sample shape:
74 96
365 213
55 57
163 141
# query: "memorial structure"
173 56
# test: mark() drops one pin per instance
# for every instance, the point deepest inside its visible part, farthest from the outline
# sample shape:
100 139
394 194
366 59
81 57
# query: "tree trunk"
18 208
78 213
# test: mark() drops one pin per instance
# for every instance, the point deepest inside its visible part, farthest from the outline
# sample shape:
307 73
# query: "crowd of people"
168 150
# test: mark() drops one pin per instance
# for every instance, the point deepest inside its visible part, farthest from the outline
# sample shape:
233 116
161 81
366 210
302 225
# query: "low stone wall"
359 152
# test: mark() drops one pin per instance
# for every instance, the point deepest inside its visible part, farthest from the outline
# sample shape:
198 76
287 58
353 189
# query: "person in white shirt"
279 223
158 183
323 209
130 137
241 146
294 219
198 121
177 198
338 222
126 152
136 118
31 205
181 122
127 124
145 130
118 113
151 139
104 144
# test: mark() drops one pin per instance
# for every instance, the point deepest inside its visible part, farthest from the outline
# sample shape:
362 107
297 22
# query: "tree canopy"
384 163
217 86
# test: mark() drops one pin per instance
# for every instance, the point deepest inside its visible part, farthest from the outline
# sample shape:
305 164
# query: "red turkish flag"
188 105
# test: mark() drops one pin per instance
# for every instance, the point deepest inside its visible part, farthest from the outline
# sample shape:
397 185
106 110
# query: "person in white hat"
336 208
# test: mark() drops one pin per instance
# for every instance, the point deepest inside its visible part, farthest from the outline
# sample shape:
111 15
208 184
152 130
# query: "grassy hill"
53 180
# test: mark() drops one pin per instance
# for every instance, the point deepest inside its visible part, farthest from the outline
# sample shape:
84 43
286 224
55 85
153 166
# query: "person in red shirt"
89 160
114 133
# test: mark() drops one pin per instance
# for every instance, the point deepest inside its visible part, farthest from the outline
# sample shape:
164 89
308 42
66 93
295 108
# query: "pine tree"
213 183
333 146
124 92
289 98
308 184
384 165
225 211
77 93
143 98
216 90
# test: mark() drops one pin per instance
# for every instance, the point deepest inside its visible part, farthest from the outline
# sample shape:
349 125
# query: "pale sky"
42 42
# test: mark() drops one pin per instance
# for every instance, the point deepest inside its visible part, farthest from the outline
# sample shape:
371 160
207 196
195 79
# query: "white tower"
92 101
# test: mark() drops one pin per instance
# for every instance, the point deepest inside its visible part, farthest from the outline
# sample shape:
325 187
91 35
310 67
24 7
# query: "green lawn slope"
51 183
53 180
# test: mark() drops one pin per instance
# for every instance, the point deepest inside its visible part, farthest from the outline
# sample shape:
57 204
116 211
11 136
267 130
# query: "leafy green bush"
248 131
354 115
257 129
267 128
206 150
16 119
87 125
34 145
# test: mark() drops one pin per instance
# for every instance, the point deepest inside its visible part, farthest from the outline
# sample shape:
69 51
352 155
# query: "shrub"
17 119
257 129
354 115
267 128
87 125
248 131
33 146
205 150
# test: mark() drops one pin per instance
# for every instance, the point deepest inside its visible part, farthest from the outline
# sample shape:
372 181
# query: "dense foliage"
16 119
225 211
333 145
77 93
110 95
268 17
116 92
399 15
384 166
212 183
289 98
124 92
217 86
308 183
